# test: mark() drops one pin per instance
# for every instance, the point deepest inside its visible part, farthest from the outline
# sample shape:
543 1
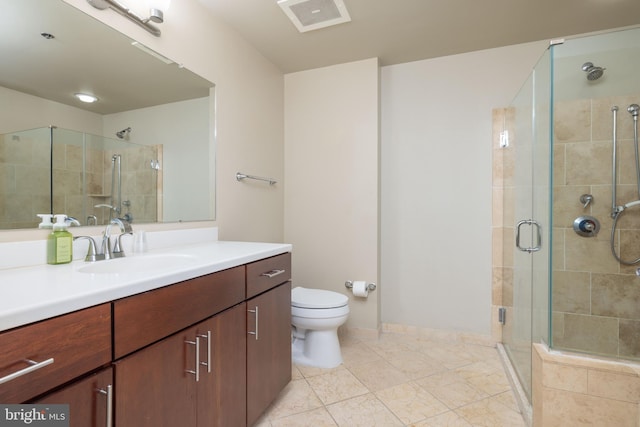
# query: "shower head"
593 72
634 109
123 133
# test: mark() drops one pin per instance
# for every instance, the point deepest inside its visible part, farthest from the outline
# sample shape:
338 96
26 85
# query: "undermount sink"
138 264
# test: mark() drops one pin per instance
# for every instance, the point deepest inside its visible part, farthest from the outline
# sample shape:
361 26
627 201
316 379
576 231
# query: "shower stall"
568 260
89 177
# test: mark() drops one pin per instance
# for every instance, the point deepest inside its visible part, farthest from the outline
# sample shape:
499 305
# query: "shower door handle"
538 236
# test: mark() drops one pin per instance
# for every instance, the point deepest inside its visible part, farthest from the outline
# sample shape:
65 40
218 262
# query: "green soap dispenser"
59 242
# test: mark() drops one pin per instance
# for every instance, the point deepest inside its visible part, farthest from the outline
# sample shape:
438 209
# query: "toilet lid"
317 298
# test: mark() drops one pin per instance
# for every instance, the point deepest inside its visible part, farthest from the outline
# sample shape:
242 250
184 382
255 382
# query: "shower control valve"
586 226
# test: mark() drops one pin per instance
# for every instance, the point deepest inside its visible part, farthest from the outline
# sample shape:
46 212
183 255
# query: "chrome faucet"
125 228
92 256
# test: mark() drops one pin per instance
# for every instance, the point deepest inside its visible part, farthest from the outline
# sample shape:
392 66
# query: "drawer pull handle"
109 393
256 317
273 273
207 336
34 367
196 371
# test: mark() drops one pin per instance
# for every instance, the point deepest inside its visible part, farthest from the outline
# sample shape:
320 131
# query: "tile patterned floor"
400 380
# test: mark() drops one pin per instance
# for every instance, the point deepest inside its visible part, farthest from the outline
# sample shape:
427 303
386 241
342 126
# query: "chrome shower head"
123 133
634 109
593 72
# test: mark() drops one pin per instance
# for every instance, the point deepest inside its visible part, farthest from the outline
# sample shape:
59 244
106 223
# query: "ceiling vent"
309 15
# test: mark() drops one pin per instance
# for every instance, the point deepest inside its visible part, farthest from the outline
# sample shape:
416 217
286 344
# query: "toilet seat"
317 298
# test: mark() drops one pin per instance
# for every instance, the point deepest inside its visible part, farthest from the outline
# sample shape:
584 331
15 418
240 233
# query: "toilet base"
318 349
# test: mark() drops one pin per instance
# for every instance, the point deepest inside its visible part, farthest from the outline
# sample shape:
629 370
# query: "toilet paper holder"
349 285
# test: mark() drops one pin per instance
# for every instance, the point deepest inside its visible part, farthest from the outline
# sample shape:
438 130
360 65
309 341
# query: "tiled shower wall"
24 181
596 300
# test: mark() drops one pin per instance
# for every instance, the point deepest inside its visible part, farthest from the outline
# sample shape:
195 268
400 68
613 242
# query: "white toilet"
316 315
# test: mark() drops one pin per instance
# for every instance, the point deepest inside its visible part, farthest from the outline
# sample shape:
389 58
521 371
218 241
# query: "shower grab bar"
614 168
538 245
240 176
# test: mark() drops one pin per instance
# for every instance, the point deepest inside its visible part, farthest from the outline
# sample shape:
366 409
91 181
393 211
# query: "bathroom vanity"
202 344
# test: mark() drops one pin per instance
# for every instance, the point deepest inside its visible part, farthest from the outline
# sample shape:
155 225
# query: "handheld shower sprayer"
123 133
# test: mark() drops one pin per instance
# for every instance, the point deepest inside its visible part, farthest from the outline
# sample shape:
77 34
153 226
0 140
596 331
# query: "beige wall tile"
614 386
566 409
589 253
589 333
629 338
572 292
564 377
588 163
615 295
572 121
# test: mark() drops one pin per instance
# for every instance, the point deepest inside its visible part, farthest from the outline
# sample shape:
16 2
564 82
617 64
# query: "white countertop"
30 294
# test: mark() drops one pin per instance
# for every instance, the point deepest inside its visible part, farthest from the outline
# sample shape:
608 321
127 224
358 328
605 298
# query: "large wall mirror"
146 147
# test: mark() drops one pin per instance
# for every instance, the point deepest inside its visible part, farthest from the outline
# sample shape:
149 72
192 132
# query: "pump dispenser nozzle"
45 221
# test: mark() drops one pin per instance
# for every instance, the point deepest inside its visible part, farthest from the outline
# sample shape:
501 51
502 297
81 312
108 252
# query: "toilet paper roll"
360 289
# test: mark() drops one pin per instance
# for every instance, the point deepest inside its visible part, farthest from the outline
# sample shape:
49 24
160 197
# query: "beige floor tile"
410 402
339 384
451 389
490 412
378 375
448 419
400 380
362 411
358 353
414 364
310 371
295 398
486 377
314 418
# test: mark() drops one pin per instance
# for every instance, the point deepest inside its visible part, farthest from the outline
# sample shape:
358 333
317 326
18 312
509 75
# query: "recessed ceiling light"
84 97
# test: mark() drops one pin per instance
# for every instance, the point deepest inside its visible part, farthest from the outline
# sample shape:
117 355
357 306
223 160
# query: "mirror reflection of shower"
116 202
124 133
617 210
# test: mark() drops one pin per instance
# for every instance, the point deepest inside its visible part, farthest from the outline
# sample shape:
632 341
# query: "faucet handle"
91 252
118 252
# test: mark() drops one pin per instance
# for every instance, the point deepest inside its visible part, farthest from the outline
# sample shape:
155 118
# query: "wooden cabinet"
192 378
222 399
90 400
142 319
38 357
268 333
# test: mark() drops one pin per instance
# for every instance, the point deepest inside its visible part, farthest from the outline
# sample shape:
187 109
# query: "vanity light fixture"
156 12
85 97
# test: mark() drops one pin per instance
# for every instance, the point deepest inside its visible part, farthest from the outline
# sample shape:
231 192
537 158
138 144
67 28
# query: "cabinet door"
89 400
268 348
222 392
156 385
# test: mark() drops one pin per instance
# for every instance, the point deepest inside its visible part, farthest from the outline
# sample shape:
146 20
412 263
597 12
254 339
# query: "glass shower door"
528 197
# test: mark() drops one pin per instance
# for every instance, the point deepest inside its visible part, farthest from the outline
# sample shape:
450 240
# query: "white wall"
331 179
436 184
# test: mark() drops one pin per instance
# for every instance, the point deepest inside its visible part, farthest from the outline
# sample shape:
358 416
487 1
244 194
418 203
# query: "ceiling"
398 31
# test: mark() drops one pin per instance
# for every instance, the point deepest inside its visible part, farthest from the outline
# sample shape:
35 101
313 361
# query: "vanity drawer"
52 352
265 274
145 318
